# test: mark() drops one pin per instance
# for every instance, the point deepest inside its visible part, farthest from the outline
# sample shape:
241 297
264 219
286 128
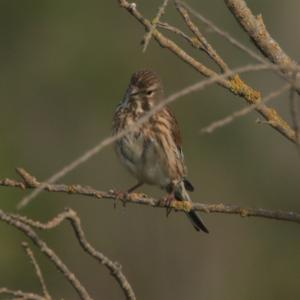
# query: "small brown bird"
152 151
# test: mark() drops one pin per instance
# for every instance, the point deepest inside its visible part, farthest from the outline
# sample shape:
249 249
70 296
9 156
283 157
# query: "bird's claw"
121 196
167 202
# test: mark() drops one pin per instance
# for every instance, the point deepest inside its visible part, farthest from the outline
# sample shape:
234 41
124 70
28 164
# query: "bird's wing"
176 134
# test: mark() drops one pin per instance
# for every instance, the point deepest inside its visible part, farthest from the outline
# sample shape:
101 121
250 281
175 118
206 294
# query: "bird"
152 151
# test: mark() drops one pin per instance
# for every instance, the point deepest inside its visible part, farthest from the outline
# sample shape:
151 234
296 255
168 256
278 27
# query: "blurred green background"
65 66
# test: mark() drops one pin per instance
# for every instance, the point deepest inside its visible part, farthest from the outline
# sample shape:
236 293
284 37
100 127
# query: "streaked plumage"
152 152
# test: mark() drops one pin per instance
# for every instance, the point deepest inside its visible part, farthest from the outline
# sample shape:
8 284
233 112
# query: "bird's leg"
167 201
169 198
118 196
134 187
122 196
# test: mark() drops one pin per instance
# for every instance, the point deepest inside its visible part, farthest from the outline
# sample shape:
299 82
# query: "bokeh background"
64 67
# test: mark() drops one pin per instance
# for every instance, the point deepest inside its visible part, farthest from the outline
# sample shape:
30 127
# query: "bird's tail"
181 194
196 221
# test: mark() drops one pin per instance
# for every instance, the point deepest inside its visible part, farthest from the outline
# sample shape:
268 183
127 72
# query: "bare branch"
224 34
277 123
237 114
15 221
235 85
167 43
230 80
21 295
295 113
37 271
204 44
70 215
286 76
256 29
138 198
148 35
193 42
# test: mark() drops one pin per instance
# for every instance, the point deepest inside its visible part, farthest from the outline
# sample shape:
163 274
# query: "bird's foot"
121 196
167 202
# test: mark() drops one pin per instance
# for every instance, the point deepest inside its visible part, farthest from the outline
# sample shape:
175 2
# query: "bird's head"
145 89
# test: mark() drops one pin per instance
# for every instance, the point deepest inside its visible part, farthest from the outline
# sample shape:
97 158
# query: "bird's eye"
150 93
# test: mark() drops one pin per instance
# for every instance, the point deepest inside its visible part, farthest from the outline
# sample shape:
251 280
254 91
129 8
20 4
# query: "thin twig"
47 251
286 131
235 85
194 42
21 295
159 14
295 113
164 25
205 45
244 111
70 215
223 33
256 29
138 198
286 76
37 270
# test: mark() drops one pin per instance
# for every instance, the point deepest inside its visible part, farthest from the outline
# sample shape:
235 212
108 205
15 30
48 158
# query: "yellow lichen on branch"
239 87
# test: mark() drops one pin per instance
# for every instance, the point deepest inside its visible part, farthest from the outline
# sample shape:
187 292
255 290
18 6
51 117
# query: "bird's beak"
132 91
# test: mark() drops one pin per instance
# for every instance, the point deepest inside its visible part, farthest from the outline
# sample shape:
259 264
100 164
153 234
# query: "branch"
191 40
234 85
256 29
205 45
114 267
72 217
295 114
291 78
224 34
21 295
16 221
37 271
155 21
138 198
237 87
242 112
235 42
111 139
